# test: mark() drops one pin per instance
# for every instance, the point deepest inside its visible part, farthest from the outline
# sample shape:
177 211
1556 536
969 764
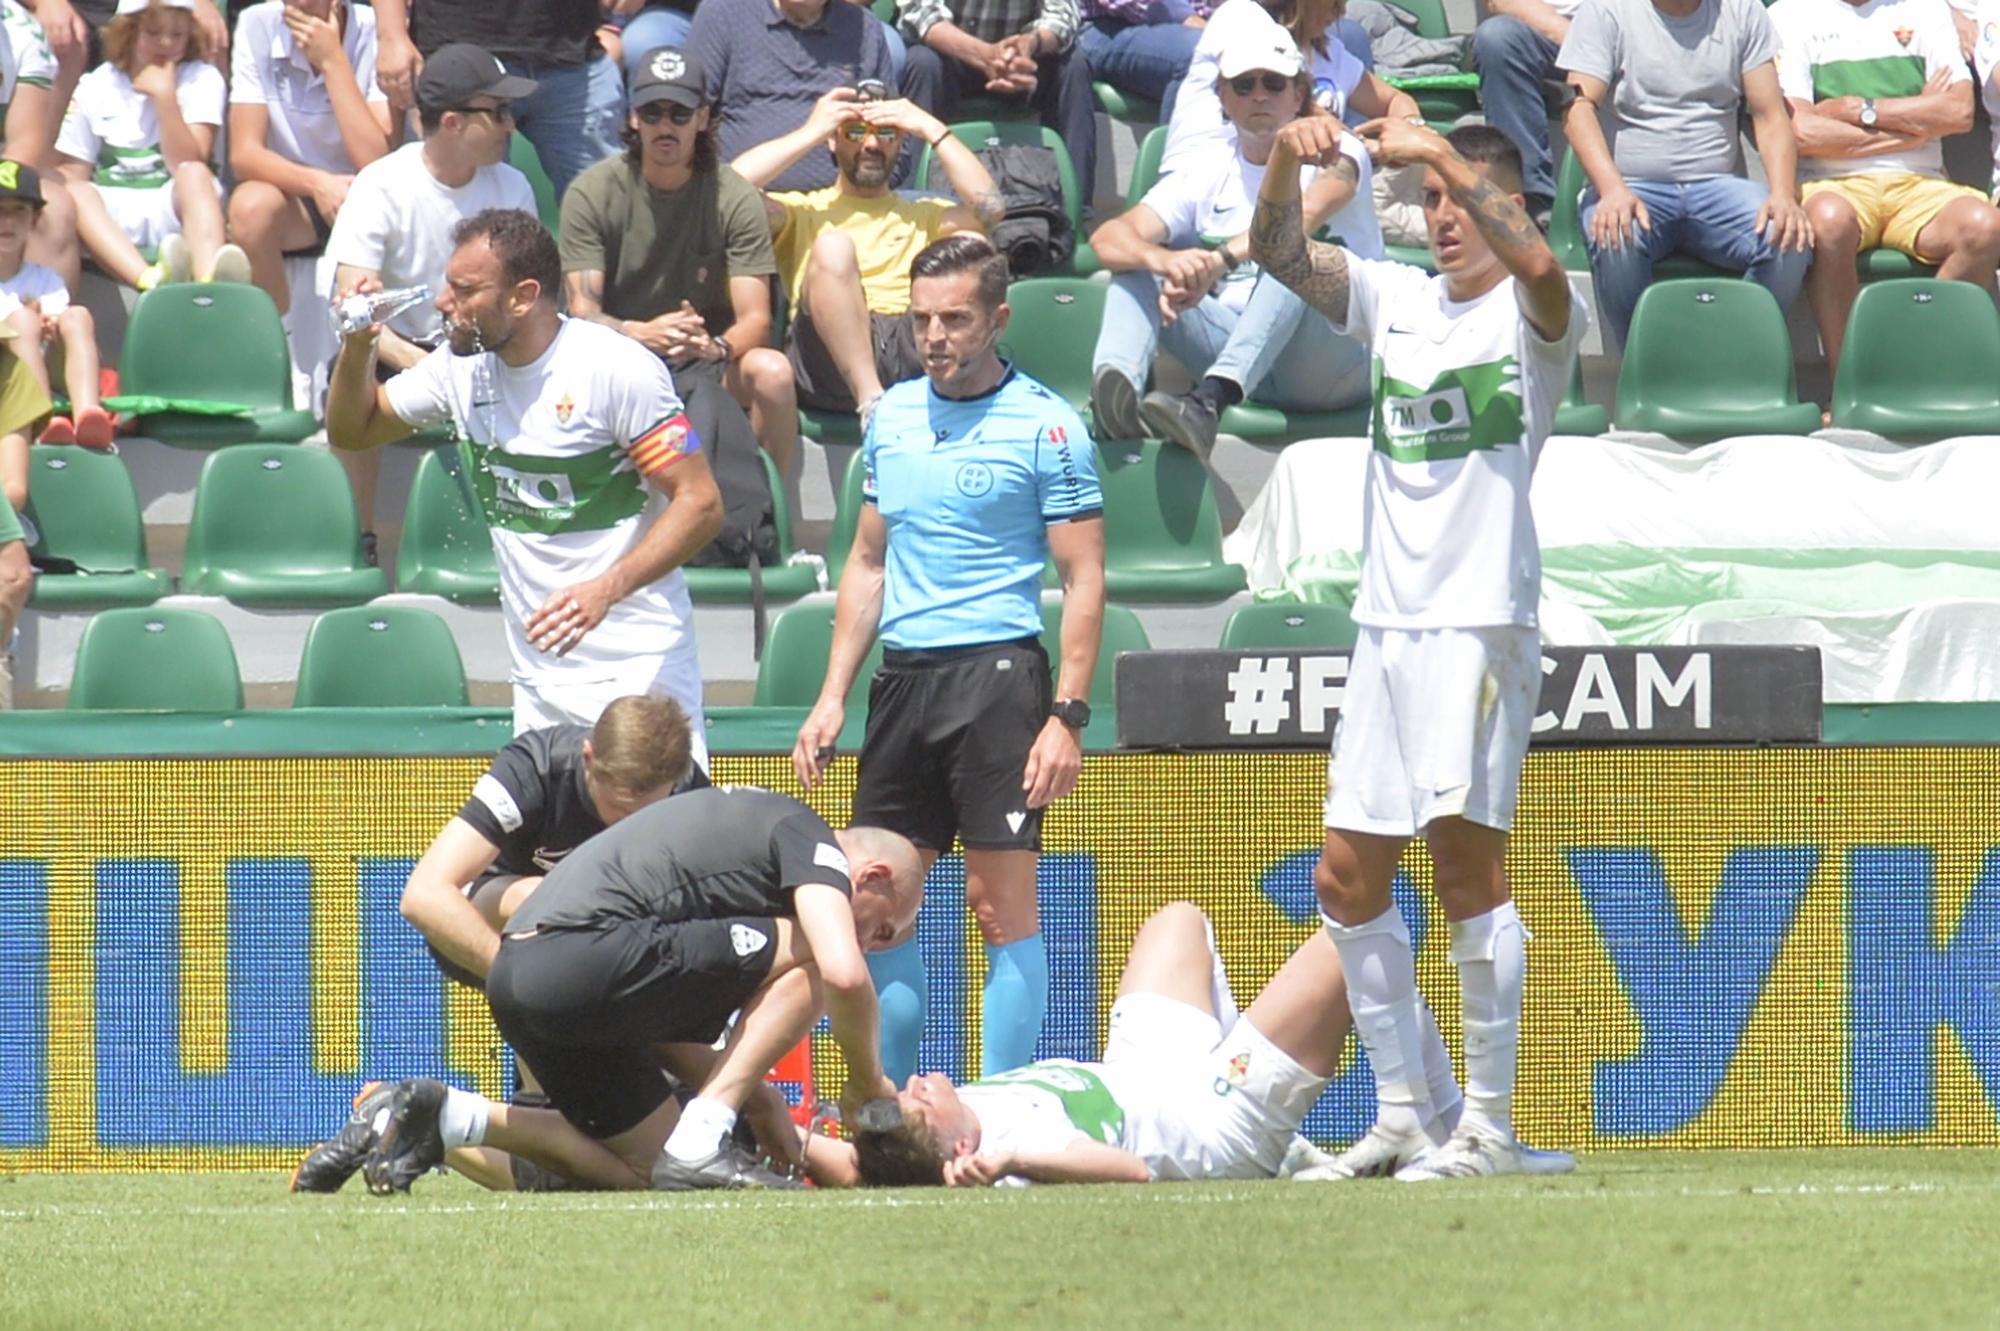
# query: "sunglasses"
1245 84
857 130
654 112
500 112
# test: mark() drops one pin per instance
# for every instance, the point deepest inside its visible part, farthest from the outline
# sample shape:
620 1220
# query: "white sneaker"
231 265
1534 1161
1379 1154
174 260
7 686
1302 1155
1468 1153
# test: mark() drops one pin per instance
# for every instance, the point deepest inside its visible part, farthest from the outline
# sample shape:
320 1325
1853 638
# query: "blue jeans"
573 117
650 29
1714 219
1513 60
1277 350
1149 59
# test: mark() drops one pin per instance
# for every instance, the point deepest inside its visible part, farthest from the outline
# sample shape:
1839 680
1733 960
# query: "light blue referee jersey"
967 488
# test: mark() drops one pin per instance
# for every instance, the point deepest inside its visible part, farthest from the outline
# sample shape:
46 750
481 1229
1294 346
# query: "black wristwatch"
1072 712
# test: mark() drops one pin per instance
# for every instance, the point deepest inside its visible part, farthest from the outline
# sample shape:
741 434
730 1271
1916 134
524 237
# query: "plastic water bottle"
363 308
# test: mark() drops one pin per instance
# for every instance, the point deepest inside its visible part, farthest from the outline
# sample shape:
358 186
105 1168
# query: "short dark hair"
1491 148
527 251
902 1157
966 252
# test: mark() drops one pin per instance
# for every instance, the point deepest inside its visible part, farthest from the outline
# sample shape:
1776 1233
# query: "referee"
975 477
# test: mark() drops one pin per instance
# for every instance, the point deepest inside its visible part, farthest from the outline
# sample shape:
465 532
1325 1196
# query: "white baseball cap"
1275 52
141 6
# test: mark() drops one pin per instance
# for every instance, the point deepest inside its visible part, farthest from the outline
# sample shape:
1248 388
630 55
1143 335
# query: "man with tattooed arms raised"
1468 367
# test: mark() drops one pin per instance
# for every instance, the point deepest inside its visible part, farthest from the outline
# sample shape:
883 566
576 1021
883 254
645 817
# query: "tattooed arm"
1504 224
1278 243
585 293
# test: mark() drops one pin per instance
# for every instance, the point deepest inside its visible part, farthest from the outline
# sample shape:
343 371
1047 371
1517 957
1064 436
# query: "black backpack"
1035 233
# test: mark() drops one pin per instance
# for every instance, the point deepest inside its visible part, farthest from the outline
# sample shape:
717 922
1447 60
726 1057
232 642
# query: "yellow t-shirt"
888 232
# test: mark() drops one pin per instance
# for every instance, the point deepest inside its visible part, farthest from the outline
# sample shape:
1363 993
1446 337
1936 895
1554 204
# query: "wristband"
943 134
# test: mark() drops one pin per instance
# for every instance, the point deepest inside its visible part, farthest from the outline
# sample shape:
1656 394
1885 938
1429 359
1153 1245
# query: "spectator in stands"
768 61
22 406
1181 259
36 305
845 251
1514 49
1341 83
1020 50
573 117
396 224
135 149
74 31
669 246
1141 46
31 119
1659 85
1985 64
304 116
1873 88
645 27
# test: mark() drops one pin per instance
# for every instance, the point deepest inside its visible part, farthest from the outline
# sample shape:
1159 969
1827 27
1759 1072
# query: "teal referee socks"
1015 1000
903 992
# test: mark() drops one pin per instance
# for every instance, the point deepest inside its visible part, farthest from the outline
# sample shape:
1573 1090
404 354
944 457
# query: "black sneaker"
1114 405
410 1143
328 1166
1182 418
729 1167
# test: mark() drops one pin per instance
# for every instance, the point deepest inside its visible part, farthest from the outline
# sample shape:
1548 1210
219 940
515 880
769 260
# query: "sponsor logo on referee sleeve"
488 791
829 856
747 941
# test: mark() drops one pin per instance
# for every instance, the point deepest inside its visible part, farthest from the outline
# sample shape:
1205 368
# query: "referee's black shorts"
584 1007
949 730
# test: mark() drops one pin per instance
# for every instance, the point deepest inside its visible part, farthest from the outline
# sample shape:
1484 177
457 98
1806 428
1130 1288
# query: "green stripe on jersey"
131 168
1086 1101
1463 411
1883 76
548 496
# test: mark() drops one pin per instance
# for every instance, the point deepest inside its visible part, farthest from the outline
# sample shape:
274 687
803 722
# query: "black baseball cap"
19 181
460 71
668 74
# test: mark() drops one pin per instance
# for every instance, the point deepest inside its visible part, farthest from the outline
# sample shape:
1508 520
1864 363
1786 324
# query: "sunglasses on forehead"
1245 84
857 130
654 112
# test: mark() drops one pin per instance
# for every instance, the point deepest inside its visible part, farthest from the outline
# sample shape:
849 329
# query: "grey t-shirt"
1676 83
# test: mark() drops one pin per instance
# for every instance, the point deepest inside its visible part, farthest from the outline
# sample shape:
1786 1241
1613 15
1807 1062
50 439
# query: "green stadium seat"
1122 633
1052 333
795 655
1122 105
521 155
1709 359
782 581
829 427
1918 362
1162 536
846 516
446 549
1576 414
1882 265
1261 423
998 131
1146 166
380 656
1441 104
219 342
155 659
82 507
275 525
1277 625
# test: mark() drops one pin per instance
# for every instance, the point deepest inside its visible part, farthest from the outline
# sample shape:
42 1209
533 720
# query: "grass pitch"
1825 1239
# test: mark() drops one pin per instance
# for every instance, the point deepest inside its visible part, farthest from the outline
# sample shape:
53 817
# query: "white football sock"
462 1119
1382 991
1492 957
704 1123
1446 1101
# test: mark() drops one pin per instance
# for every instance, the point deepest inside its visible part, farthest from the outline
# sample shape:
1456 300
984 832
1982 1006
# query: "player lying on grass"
1186 1089
545 794
644 942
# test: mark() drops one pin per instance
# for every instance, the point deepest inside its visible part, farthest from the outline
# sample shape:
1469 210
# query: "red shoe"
95 428
59 430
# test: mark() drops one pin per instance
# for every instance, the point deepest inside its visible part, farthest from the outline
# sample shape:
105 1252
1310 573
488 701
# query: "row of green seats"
174 659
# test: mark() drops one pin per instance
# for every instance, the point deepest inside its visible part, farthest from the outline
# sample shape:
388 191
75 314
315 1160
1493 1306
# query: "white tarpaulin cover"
1888 561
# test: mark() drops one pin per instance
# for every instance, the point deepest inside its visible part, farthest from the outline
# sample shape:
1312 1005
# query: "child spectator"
135 148
35 304
304 116
31 113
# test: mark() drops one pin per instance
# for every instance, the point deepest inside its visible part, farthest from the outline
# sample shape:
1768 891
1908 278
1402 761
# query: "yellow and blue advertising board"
200 959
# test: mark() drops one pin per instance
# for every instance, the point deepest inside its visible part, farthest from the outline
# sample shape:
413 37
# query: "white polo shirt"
112 124
267 69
